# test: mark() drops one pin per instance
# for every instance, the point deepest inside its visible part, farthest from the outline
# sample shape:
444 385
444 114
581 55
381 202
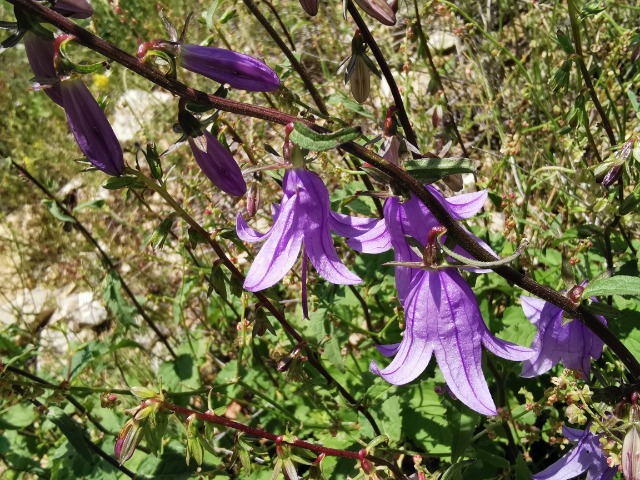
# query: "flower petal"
376 240
91 128
314 222
466 205
248 234
455 328
219 165
280 251
40 56
348 226
228 67
388 350
532 308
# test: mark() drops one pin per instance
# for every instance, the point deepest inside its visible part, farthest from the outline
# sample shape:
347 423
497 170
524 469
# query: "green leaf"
115 302
56 212
93 204
607 311
160 234
565 42
433 169
454 472
307 138
462 422
71 430
116 183
617 285
631 202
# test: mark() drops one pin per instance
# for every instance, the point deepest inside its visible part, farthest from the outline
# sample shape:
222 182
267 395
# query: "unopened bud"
310 6
127 441
253 199
631 454
378 9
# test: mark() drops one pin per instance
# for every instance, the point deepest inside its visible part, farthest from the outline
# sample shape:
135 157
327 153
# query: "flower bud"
631 454
378 9
360 81
73 8
128 440
310 6
228 67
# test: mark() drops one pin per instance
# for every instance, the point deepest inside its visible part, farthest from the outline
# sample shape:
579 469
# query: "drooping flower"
40 55
572 343
303 219
90 127
310 6
224 66
214 160
585 456
378 9
73 8
442 316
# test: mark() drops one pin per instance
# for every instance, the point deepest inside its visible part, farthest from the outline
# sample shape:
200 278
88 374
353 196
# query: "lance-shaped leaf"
307 138
430 170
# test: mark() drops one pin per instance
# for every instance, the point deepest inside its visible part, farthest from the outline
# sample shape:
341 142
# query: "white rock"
134 109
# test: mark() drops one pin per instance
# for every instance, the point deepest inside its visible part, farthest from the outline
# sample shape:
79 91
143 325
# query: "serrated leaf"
378 392
116 183
433 169
307 138
56 212
195 450
616 285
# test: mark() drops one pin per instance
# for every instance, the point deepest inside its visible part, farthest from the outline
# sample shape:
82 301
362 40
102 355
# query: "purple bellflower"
73 8
224 66
218 164
91 128
585 456
303 219
441 312
572 343
214 160
310 6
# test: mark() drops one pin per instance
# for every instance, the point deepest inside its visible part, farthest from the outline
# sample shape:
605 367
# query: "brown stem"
386 71
297 66
577 44
105 258
455 230
257 432
438 78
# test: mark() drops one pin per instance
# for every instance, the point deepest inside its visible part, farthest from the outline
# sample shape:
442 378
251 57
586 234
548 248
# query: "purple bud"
228 67
127 441
40 56
73 8
378 9
612 175
91 128
310 6
217 164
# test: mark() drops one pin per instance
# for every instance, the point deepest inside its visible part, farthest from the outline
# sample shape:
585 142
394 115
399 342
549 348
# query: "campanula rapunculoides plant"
245 380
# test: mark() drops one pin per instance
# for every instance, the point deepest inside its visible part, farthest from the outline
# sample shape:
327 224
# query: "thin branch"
577 45
388 76
257 432
297 66
105 258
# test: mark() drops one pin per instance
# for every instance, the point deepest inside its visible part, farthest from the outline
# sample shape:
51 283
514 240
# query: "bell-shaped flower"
303 219
378 9
73 8
572 343
585 456
214 160
442 316
228 67
90 127
310 6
